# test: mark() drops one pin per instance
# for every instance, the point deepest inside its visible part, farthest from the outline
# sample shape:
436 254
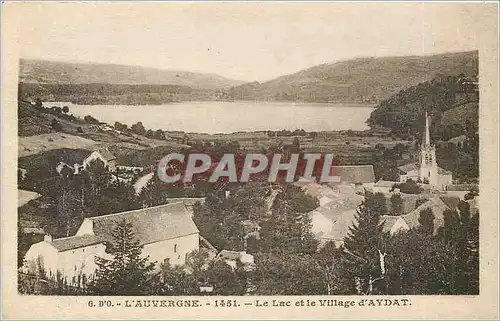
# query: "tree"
409 187
38 102
292 274
224 280
176 281
56 125
364 246
288 229
138 128
159 134
65 109
154 193
91 120
127 273
420 201
149 133
471 195
418 263
116 196
197 261
396 205
295 145
426 221
98 176
121 127
380 204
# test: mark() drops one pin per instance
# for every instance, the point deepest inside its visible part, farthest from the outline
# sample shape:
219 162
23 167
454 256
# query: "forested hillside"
453 104
361 80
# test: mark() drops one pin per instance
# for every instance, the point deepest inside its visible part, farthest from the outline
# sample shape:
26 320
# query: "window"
175 248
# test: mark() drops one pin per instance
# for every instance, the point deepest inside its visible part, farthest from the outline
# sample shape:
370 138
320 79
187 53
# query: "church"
426 170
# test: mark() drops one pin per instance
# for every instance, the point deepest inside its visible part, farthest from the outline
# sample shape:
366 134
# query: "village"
166 228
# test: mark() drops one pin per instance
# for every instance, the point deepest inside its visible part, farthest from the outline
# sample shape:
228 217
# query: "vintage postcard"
251 160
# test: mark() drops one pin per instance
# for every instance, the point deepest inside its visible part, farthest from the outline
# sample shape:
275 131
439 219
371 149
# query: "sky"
245 41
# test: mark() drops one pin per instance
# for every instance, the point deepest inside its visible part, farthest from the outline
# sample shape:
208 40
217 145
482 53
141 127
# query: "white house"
103 155
70 256
80 160
166 232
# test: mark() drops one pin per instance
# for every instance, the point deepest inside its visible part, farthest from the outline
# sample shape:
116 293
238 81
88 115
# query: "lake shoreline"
262 102
229 117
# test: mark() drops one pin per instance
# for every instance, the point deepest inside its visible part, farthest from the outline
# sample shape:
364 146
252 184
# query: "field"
32 145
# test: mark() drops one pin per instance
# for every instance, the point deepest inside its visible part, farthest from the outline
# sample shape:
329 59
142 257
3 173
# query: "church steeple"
427 137
428 165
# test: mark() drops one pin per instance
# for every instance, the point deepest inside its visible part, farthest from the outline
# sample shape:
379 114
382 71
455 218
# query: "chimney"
47 238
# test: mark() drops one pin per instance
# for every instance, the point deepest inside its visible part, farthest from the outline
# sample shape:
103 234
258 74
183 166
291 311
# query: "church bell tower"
428 164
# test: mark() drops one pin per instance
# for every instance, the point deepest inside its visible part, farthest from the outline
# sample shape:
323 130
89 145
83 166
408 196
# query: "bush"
409 187
56 125
91 120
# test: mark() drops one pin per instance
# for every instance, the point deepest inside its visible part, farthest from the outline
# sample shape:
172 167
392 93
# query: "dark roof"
409 167
152 224
354 174
74 242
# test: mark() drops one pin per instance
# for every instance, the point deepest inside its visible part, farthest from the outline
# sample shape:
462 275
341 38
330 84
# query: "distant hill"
359 80
52 72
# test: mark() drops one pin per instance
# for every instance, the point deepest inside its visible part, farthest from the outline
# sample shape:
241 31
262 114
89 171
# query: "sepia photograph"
239 155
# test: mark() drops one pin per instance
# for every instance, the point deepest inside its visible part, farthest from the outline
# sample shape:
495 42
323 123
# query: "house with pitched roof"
395 224
104 155
354 174
331 222
166 232
82 159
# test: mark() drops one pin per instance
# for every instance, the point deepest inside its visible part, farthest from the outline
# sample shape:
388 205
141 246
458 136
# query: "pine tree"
380 202
426 220
126 273
396 205
364 245
154 193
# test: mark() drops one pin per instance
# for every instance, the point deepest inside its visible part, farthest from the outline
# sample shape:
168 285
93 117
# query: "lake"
227 117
